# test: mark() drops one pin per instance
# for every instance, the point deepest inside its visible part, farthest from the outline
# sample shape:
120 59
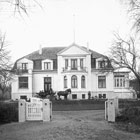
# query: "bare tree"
124 54
5 66
133 8
21 6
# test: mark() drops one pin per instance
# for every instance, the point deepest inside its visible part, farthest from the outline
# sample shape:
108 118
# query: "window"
23 97
24 66
83 96
101 82
74 96
83 82
100 96
65 81
104 96
81 63
119 81
23 82
47 65
101 64
74 64
74 81
66 63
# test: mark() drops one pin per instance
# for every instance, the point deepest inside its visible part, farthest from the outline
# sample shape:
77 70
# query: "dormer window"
24 66
101 64
47 65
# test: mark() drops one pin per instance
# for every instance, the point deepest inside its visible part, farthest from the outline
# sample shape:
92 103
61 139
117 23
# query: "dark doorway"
47 84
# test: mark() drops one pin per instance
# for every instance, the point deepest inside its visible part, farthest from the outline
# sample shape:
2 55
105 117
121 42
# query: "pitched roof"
47 53
51 53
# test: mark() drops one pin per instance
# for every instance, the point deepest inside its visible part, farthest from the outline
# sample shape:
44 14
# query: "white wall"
17 92
38 81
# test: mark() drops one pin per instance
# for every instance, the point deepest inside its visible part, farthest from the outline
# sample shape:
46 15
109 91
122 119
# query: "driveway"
67 125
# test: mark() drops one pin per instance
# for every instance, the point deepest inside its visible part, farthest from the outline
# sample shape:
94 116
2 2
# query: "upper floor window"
101 64
74 81
47 65
66 63
23 82
74 64
65 81
101 81
81 63
24 66
119 81
83 84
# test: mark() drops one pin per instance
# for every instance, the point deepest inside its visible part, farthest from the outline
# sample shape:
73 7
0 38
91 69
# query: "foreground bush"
8 112
130 114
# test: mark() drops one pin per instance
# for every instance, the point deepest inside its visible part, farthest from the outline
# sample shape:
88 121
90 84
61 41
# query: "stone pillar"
21 111
47 110
111 110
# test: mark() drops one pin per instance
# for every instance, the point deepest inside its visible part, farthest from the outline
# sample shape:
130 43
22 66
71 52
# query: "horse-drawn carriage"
53 95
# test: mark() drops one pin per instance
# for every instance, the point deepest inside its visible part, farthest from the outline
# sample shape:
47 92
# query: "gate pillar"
47 110
21 111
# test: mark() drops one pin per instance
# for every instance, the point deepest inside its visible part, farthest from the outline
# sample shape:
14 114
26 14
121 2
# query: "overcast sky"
95 22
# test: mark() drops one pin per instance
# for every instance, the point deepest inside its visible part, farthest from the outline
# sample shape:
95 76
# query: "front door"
47 83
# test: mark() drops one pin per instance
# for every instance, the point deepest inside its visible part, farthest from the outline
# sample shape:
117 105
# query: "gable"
74 50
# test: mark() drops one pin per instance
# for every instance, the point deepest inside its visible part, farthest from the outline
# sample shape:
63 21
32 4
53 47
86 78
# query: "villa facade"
75 67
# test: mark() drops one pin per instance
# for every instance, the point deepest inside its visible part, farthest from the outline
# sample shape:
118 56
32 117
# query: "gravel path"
67 125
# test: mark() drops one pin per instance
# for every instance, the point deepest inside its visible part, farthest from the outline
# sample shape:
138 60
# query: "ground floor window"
23 82
83 96
74 81
119 81
23 97
74 96
100 96
65 81
83 83
104 96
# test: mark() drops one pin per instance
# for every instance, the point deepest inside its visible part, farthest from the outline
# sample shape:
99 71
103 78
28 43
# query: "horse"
64 93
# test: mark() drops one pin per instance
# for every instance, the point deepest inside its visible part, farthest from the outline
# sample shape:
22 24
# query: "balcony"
21 71
77 69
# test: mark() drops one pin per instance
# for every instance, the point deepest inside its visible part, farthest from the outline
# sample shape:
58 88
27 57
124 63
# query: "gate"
34 110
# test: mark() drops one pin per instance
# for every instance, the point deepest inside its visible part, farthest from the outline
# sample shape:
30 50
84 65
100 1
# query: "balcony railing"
68 69
21 71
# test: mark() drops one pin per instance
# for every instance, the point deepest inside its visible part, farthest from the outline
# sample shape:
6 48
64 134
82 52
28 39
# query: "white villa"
75 67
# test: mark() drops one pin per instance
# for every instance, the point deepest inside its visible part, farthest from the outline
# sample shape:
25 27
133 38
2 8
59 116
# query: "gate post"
111 110
21 111
47 110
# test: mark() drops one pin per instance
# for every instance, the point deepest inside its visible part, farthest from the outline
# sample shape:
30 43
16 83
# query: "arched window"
74 81
65 81
83 83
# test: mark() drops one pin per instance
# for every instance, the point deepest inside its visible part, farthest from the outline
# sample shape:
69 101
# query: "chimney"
40 49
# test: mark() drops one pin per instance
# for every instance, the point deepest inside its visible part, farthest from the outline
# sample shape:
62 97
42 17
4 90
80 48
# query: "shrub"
130 114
